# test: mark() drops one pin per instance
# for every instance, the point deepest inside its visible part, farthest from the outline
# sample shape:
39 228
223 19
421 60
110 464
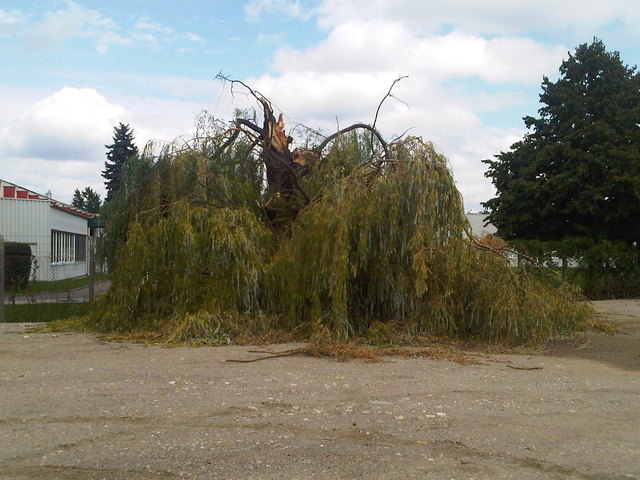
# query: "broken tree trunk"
284 167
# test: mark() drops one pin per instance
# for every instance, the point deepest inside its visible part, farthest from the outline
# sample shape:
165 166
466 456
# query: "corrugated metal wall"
26 221
31 221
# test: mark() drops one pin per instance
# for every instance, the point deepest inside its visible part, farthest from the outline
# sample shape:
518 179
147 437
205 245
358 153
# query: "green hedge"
44 312
17 265
602 269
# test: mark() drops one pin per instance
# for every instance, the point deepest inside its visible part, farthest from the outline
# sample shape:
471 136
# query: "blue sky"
71 70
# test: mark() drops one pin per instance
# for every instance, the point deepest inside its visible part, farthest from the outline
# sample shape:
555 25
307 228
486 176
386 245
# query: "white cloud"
67 125
255 9
16 101
453 78
384 46
192 37
503 17
463 58
58 142
327 101
10 17
154 119
60 177
144 37
148 24
74 21
467 154
10 21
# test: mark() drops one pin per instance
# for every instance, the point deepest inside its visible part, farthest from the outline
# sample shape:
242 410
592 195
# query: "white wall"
26 221
66 222
476 220
31 221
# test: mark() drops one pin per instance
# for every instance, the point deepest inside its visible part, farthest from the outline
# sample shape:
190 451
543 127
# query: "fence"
42 287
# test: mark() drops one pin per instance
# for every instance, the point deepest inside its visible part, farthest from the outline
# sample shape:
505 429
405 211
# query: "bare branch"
252 126
375 119
230 140
399 137
355 126
257 95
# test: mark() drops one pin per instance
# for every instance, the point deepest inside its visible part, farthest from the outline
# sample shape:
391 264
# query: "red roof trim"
71 210
9 190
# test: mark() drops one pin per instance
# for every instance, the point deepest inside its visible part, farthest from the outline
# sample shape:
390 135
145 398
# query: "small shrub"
17 265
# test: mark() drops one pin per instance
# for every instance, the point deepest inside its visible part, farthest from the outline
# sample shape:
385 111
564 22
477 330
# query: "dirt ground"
72 407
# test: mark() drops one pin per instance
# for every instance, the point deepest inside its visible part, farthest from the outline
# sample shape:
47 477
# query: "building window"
68 247
81 248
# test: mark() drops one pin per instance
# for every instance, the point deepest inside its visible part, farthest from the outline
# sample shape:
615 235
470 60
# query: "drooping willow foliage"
366 235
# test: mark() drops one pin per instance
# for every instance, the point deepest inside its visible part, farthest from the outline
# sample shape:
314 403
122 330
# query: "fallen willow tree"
236 234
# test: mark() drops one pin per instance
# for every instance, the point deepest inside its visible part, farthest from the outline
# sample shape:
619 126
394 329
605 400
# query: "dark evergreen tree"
577 172
87 200
78 200
118 153
92 202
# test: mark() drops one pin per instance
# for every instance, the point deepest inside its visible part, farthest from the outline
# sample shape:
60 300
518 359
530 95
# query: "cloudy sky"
71 70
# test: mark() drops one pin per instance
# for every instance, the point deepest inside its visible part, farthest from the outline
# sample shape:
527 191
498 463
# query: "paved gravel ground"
72 407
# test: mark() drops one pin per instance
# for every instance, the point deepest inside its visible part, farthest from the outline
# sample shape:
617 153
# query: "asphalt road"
73 407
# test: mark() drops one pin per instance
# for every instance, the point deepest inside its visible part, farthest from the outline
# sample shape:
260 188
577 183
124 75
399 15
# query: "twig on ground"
524 368
286 353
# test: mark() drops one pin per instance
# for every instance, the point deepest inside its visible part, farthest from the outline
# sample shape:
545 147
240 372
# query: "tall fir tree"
118 153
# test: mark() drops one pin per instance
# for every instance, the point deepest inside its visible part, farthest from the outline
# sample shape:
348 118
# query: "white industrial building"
57 232
477 222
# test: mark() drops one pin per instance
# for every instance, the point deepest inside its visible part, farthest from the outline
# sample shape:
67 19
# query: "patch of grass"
70 324
37 286
349 350
602 326
44 312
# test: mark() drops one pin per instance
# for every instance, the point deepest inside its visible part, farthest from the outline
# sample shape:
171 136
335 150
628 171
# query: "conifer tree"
92 202
118 153
78 199
87 200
